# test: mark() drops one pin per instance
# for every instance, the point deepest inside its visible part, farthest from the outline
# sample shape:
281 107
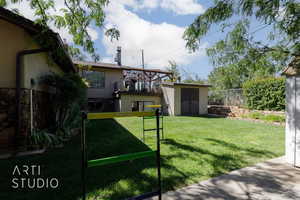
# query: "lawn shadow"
65 165
268 180
220 162
271 177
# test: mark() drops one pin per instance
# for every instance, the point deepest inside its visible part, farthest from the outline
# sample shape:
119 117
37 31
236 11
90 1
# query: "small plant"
274 118
41 138
255 115
265 117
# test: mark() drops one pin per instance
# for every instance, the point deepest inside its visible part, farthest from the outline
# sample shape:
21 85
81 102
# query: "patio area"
270 180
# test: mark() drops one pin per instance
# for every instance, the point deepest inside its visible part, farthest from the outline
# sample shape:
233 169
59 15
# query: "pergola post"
292 128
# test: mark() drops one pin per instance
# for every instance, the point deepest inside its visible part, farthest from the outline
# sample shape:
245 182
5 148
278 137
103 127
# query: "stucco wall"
203 98
111 77
177 100
15 39
126 101
168 99
292 138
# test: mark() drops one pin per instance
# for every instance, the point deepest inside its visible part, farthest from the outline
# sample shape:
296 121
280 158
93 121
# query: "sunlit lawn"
195 149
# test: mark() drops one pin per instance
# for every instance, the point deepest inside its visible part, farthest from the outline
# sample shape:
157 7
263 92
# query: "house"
121 88
292 132
27 52
118 88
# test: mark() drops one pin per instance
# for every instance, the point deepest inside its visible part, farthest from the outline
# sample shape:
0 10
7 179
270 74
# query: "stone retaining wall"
235 111
41 113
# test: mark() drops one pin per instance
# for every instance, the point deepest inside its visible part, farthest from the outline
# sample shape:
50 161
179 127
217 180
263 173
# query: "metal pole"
143 63
158 153
143 129
162 126
83 151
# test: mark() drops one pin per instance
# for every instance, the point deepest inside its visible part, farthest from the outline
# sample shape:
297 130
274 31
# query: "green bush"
66 103
265 94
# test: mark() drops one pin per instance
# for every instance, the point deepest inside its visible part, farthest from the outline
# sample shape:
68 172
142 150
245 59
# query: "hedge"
265 94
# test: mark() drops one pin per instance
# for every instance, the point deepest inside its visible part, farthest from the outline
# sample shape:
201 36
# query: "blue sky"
156 26
197 64
165 17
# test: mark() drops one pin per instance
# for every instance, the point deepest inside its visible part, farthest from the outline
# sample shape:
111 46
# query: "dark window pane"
95 79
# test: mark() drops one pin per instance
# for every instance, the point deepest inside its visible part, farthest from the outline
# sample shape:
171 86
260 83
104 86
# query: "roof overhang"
185 84
54 42
98 66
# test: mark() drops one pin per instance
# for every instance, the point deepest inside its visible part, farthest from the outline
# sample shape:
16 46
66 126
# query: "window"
95 79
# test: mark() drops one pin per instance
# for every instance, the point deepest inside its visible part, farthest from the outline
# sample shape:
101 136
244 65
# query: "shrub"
265 94
66 102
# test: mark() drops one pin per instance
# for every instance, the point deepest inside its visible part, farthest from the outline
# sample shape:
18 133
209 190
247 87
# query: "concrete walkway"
271 180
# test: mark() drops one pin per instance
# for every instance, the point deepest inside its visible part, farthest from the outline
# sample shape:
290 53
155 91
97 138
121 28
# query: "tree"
193 78
173 67
280 18
233 75
76 16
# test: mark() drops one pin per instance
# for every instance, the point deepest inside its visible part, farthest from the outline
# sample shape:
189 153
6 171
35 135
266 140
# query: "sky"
156 26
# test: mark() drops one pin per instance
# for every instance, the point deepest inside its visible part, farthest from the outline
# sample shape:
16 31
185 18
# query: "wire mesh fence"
231 97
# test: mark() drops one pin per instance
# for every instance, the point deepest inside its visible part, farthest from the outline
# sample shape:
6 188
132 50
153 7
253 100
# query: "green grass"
195 149
265 117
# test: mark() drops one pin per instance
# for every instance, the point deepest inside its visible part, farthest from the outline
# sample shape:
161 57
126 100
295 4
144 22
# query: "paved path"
271 180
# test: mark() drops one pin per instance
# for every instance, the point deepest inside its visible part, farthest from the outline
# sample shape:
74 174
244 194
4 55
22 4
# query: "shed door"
189 101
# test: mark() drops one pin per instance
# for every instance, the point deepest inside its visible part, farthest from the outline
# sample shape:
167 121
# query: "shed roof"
101 65
293 67
54 44
185 84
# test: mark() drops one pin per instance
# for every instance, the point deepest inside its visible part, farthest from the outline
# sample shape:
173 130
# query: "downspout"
20 54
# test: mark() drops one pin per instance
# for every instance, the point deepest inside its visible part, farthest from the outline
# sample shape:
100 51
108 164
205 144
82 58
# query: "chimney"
118 57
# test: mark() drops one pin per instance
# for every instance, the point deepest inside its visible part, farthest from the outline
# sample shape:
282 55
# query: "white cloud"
93 33
179 7
183 7
24 9
161 42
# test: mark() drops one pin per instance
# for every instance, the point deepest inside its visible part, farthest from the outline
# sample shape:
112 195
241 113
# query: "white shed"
292 135
185 98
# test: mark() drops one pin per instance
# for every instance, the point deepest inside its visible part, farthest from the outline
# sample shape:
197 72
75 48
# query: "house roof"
101 65
185 84
54 42
293 67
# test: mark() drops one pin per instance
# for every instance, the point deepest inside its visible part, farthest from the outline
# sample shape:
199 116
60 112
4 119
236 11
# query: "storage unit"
185 98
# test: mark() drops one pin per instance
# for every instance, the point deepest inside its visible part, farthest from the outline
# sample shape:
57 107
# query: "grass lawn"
195 149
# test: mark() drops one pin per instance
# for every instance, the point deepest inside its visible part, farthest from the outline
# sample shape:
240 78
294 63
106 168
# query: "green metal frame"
120 158
153 129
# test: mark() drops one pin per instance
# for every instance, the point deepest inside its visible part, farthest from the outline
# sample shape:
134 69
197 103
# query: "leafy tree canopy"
76 16
173 67
280 18
233 76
